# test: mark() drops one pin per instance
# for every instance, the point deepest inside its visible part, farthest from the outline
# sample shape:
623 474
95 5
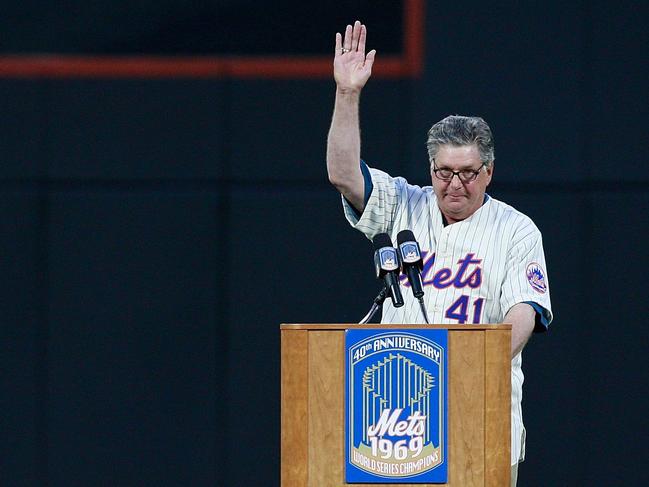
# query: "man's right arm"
352 69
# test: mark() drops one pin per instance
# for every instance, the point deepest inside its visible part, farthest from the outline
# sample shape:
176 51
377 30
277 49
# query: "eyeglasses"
465 175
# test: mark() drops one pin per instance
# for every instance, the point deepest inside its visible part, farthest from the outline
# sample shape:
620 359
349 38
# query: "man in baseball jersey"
483 260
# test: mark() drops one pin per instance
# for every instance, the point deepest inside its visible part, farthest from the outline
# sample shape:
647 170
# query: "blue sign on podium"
396 406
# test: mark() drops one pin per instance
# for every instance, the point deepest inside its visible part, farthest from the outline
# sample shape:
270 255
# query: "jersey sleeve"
383 206
526 279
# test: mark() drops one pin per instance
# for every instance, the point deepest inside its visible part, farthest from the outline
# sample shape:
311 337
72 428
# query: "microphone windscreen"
405 236
381 240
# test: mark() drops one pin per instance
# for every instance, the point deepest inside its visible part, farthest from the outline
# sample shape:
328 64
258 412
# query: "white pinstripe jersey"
475 270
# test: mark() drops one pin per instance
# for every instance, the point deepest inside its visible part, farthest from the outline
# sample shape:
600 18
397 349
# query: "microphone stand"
378 303
423 310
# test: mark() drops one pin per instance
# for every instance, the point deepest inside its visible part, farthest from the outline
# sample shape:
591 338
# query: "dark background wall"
155 233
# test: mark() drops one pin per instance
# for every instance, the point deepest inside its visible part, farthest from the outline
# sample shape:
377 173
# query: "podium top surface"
356 326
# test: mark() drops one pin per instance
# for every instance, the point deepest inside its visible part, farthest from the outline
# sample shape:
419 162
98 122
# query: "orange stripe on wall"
410 64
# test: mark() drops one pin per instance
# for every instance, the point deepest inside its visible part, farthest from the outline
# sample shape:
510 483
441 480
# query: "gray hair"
460 131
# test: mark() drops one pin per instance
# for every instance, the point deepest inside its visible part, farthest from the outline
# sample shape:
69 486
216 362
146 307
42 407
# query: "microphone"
386 263
411 262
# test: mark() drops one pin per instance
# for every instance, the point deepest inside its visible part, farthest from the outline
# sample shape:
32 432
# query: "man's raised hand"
352 68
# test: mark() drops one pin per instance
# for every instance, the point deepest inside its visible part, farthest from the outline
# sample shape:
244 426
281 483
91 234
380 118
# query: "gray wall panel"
279 129
146 129
21 329
134 371
617 105
23 124
617 338
385 130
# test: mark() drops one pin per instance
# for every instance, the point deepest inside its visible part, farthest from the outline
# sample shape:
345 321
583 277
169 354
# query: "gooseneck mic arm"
376 305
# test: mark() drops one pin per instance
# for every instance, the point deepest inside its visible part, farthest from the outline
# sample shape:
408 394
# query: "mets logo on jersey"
396 406
536 277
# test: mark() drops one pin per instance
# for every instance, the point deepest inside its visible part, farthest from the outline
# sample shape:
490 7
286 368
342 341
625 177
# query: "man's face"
458 200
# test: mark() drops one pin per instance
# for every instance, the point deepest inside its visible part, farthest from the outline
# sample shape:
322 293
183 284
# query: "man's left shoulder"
512 217
500 210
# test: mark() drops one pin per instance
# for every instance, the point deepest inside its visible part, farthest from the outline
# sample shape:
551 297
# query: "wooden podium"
313 409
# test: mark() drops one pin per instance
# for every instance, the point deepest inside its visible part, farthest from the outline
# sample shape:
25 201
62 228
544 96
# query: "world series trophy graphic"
396 406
